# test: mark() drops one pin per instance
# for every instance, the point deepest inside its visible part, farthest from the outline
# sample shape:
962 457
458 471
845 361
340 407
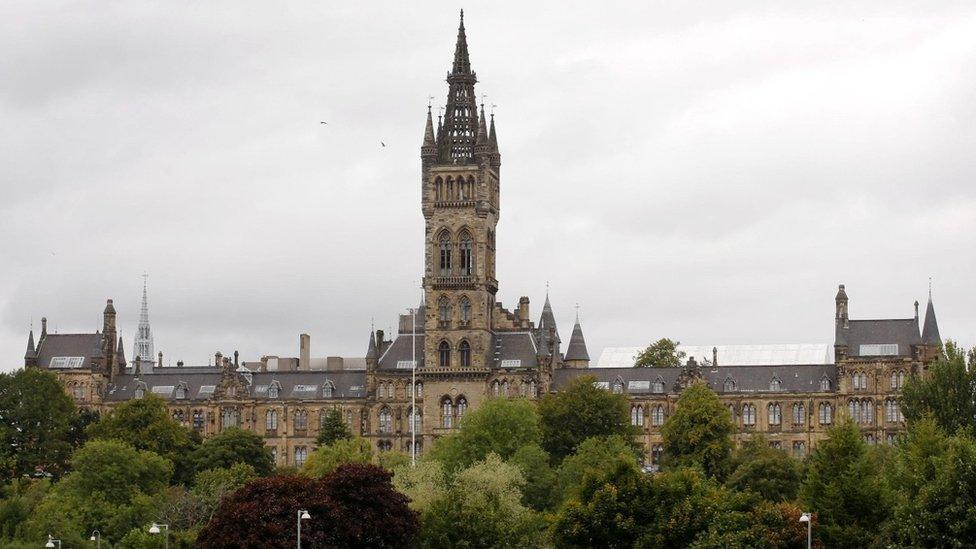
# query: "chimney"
237 356
138 366
110 337
714 356
304 352
523 312
43 326
160 361
179 363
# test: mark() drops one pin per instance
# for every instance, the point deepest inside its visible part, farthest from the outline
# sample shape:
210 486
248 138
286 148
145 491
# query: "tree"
947 392
326 459
843 486
36 420
230 446
354 506
759 524
112 487
17 503
699 432
595 456
763 470
423 484
500 426
333 428
663 353
145 424
934 477
392 460
482 508
579 412
539 491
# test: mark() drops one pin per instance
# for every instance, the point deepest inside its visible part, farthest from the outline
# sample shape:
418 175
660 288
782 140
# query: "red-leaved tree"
354 506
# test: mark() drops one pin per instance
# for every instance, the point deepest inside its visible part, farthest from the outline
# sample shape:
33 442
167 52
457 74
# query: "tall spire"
372 352
930 330
461 113
30 343
143 345
429 130
576 350
492 139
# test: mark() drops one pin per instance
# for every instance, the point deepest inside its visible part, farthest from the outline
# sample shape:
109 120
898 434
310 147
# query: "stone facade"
461 346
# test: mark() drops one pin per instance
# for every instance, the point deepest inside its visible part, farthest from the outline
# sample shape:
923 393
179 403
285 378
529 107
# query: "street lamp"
97 538
51 541
302 515
154 529
805 517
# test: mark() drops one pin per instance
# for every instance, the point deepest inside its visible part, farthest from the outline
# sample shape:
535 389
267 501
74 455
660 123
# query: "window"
867 411
418 390
826 413
445 247
386 420
228 417
444 310
274 455
637 415
893 411
140 391
349 418
181 392
774 414
273 390
776 444
799 449
444 352
381 390
198 420
891 438
462 406
505 388
464 354
301 420
729 385
465 247
775 384
799 413
271 420
897 379
860 380
391 390
384 446
301 454
447 413
656 452
494 388
658 385
179 416
748 414
732 412
618 386
465 310
657 415
417 421
78 392
328 389
533 392
824 383
883 349
869 438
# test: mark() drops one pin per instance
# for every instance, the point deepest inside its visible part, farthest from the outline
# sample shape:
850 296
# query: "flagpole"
413 390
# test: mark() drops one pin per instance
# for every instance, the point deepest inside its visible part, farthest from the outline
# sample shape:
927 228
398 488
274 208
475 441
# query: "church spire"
30 344
143 345
372 352
576 354
930 330
428 151
461 112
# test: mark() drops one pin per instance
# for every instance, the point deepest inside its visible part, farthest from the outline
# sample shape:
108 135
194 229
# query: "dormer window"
274 389
775 384
328 389
618 386
181 391
825 383
729 385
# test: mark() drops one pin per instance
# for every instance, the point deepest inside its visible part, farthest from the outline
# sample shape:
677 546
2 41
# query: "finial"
492 109
930 288
430 102
577 312
462 16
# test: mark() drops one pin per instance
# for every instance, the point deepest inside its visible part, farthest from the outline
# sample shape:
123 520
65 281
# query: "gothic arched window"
464 354
775 384
466 248
826 413
825 383
417 421
748 414
444 310
658 385
444 353
328 389
505 388
494 388
301 420
533 392
386 420
657 415
729 385
181 391
799 413
273 390
462 406
271 420
198 420
445 249
438 189
775 413
447 413
381 390
637 415
465 310
301 454
656 452
618 386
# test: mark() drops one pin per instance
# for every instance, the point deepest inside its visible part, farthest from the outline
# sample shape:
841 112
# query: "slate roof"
520 346
902 332
305 385
400 350
930 330
576 350
740 355
88 346
748 379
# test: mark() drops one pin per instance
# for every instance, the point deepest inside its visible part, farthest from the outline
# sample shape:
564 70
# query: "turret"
576 353
930 331
372 362
109 341
30 357
841 324
428 151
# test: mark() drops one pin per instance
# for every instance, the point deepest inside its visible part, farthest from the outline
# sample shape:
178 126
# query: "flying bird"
321 122
382 143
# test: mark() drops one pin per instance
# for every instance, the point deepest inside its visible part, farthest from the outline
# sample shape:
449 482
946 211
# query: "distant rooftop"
732 355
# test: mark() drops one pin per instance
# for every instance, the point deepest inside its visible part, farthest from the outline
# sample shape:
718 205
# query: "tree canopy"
325 459
500 426
332 428
947 392
38 424
230 446
766 471
699 432
580 411
663 353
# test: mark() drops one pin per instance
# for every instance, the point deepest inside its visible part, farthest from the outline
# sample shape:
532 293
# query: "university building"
466 347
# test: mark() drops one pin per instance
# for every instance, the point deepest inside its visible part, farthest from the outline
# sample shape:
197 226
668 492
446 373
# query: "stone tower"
460 203
143 347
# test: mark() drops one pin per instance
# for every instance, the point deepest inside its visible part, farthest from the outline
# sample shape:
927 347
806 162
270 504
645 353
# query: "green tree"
423 484
326 459
230 446
595 456
766 471
934 478
17 503
112 487
663 353
947 392
844 488
758 524
500 426
392 460
146 424
539 491
482 508
36 420
333 428
579 412
699 432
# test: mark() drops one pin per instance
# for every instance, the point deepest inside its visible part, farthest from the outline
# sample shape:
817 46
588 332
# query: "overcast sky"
699 171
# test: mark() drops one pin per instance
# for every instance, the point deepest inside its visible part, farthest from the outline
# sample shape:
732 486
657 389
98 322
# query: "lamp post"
302 515
51 541
96 536
805 517
154 529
